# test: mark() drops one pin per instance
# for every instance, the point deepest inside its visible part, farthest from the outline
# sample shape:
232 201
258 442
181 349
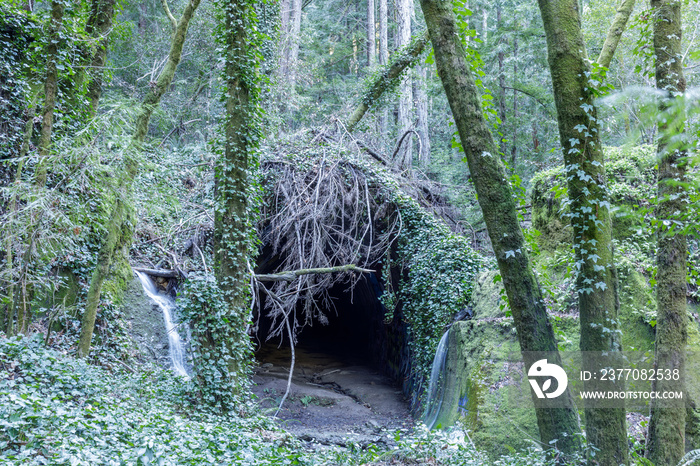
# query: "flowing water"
177 347
436 387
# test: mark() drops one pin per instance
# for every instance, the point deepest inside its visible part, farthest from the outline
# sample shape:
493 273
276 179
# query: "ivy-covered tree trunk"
99 27
596 282
50 90
534 328
666 443
120 224
233 226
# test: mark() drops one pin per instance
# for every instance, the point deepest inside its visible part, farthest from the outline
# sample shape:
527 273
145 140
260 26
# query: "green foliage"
17 33
439 273
61 411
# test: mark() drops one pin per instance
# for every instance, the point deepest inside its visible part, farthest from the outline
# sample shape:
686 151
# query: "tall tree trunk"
99 29
10 310
50 90
501 76
596 281
295 30
371 35
495 197
120 222
667 425
514 147
420 91
404 157
383 60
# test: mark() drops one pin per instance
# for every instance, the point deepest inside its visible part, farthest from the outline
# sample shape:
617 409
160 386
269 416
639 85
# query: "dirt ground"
333 400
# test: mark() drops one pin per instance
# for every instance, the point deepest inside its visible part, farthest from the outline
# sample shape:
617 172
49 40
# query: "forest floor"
332 400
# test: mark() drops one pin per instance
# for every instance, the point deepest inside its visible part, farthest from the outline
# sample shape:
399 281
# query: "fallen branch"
291 275
388 77
158 272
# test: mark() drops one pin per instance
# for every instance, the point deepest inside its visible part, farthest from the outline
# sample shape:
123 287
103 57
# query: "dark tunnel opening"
356 334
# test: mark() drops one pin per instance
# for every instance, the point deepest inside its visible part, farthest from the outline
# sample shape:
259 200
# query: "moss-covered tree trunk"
624 11
232 223
50 90
666 441
534 329
120 224
596 281
99 27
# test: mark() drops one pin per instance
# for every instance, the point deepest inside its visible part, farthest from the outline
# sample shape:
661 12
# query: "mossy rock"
481 392
145 324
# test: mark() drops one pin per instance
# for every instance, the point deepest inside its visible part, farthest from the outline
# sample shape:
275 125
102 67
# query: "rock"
146 328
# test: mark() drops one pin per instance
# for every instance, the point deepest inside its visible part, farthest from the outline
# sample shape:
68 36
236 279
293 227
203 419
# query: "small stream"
167 306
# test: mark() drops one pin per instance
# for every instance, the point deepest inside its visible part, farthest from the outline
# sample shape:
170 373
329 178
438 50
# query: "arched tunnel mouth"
348 373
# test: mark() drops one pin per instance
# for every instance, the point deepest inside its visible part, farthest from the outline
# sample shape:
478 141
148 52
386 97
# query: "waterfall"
177 347
436 387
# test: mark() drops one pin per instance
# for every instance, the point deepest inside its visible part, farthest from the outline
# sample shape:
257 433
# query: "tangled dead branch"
326 206
322 212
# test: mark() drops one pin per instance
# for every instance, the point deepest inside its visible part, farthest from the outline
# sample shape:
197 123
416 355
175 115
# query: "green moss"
637 311
120 276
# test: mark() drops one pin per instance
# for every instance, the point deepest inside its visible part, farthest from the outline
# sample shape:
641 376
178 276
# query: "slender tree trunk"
421 94
534 329
103 12
10 240
590 217
284 17
501 77
667 425
50 90
120 222
624 11
404 158
383 60
514 147
371 35
295 30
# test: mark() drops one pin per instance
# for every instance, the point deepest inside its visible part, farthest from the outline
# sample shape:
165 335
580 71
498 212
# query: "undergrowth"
61 411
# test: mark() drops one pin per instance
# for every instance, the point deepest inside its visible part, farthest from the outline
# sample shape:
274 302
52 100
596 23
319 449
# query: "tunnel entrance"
347 376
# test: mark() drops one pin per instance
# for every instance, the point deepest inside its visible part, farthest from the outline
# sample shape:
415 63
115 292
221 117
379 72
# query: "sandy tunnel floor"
332 399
